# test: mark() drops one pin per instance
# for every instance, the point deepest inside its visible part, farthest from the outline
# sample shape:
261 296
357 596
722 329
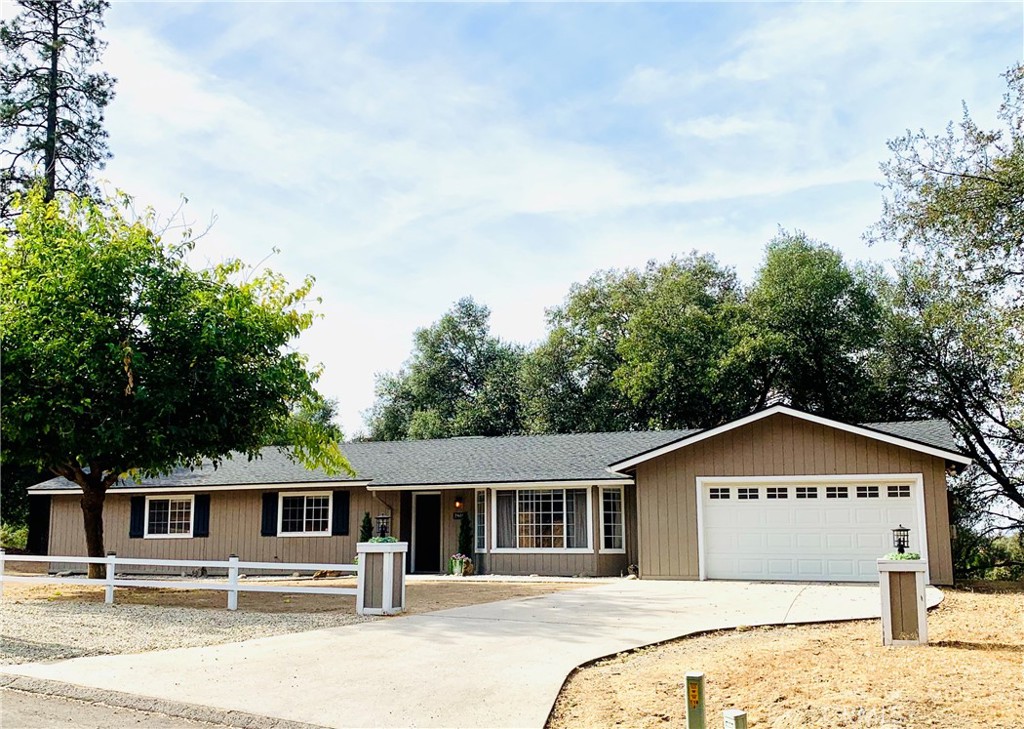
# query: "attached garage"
786 495
804 529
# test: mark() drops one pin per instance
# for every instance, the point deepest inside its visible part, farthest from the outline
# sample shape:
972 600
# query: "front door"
426 533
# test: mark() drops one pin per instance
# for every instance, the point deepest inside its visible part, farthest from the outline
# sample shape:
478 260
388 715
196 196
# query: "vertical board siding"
235 518
779 445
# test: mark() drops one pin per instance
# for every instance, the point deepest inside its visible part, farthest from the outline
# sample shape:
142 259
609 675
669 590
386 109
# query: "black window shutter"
137 522
339 519
269 526
201 517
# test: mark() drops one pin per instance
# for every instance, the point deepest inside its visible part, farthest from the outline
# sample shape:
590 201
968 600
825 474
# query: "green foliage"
13 537
382 540
120 361
814 334
460 380
904 556
957 309
52 102
365 528
465 534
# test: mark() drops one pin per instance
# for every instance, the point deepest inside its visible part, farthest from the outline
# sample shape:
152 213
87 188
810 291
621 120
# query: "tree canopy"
955 203
52 101
119 360
459 380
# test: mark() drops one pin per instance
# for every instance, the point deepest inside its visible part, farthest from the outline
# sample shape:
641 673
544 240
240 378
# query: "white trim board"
914 480
563 484
619 466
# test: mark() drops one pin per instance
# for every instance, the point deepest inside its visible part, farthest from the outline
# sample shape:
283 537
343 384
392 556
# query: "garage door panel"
804 539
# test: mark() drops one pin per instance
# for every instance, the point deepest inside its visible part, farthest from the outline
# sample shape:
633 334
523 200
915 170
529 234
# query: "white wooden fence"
233 585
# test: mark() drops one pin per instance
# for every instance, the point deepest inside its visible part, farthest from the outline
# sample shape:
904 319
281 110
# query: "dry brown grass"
421 596
836 675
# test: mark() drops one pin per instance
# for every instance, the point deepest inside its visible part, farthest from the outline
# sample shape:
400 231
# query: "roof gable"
906 434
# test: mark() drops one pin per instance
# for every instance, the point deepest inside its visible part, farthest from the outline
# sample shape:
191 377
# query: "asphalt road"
21 710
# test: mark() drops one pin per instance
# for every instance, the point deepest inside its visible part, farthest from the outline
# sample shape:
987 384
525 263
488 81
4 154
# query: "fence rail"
232 564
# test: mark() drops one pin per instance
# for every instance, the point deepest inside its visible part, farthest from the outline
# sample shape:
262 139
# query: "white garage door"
803 531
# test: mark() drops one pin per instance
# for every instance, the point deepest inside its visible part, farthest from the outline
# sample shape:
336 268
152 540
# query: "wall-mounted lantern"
901 538
459 503
383 525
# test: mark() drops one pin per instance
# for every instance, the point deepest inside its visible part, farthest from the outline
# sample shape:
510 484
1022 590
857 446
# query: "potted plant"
460 565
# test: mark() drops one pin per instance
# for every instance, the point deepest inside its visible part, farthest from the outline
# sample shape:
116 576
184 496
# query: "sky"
408 155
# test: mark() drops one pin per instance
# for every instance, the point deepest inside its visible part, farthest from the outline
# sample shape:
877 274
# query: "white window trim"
915 480
290 494
476 527
191 516
622 522
495 549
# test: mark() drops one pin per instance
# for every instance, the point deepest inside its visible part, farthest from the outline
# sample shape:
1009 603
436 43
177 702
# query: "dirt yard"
839 675
421 597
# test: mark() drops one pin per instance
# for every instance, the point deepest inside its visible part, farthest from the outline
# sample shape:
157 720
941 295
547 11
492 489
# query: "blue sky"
411 154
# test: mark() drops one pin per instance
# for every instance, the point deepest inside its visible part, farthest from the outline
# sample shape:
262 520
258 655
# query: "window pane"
481 521
159 515
317 513
291 513
612 531
180 516
577 532
541 519
506 519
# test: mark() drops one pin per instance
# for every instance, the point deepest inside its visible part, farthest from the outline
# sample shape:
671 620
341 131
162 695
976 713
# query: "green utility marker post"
735 719
695 700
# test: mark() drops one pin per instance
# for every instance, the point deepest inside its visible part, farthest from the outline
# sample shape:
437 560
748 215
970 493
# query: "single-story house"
778 495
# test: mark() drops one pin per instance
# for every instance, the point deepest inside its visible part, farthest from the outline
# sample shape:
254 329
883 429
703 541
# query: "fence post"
109 598
695 700
3 552
233 582
734 719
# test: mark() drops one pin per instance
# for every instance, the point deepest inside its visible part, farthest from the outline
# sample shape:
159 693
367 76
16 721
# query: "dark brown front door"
426 533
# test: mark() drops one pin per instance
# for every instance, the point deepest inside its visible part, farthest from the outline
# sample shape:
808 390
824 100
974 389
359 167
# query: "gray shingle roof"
569 457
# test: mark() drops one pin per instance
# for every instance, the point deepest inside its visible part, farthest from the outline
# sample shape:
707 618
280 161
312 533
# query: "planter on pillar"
381 578
904 611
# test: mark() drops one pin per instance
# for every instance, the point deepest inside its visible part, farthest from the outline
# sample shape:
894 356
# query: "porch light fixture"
901 538
383 525
459 503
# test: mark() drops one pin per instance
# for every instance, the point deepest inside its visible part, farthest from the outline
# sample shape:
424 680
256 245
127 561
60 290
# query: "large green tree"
813 337
121 361
955 203
52 100
459 380
675 366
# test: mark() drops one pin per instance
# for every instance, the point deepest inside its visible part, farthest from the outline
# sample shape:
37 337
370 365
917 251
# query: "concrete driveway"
493 665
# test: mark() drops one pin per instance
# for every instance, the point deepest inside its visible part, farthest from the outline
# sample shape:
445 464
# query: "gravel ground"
33 630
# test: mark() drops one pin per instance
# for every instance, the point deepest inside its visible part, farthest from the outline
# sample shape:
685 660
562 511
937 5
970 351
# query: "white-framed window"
837 492
613 520
867 492
542 520
304 515
807 492
719 493
777 492
169 517
747 494
480 519
899 491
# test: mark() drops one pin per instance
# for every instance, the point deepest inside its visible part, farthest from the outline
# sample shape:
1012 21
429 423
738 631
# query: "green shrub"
382 540
13 537
905 555
365 528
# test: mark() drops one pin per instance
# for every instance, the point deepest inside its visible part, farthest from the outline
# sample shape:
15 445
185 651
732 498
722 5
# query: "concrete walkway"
493 665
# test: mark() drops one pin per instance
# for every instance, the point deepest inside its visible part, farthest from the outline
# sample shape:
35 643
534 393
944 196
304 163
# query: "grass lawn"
835 675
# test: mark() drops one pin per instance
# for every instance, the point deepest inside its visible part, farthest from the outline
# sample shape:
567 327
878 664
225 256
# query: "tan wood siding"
903 605
235 518
780 445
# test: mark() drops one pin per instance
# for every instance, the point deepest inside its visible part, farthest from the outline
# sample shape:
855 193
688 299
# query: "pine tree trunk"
50 160
92 514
